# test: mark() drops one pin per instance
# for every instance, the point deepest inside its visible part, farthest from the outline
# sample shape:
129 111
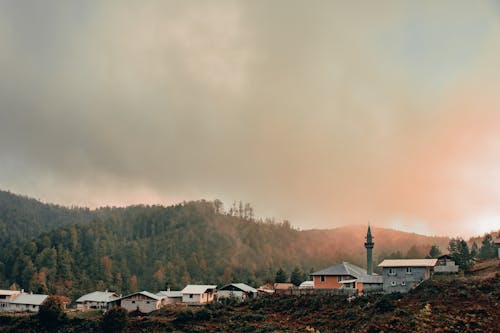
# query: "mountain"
152 247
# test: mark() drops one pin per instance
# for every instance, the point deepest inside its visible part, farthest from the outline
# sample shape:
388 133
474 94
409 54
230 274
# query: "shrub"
51 312
115 319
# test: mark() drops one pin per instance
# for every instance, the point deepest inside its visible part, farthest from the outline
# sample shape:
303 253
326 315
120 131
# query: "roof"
408 263
497 240
281 286
99 296
371 279
169 293
145 293
444 256
343 268
241 286
307 284
30 299
197 288
348 281
9 292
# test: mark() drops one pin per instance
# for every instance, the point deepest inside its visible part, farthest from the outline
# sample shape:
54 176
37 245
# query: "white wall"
144 306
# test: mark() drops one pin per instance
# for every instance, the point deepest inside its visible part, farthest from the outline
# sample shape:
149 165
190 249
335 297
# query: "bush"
51 312
115 319
203 315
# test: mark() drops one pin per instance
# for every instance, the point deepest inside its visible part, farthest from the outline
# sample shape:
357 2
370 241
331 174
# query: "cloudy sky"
326 113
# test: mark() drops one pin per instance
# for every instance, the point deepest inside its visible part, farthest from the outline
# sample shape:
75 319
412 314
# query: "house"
6 296
97 300
170 297
401 275
26 303
240 291
497 243
445 265
332 277
348 276
142 301
307 285
198 294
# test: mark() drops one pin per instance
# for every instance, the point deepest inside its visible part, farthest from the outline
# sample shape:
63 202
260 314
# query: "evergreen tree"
487 248
434 252
459 251
281 276
297 276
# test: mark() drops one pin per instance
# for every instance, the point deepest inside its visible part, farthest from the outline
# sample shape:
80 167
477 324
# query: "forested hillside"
22 218
154 247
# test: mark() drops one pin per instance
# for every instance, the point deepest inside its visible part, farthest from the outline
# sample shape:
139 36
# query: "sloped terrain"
445 304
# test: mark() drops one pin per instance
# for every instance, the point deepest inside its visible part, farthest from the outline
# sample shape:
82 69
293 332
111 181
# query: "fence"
316 291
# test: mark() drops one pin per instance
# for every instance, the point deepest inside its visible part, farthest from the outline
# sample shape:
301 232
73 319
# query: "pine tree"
281 276
297 276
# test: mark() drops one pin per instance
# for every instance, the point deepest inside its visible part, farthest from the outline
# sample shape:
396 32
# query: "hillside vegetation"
155 247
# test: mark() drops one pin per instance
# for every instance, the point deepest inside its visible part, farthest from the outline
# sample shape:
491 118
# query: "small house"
142 301
337 276
26 303
401 275
445 265
240 291
102 300
170 297
6 296
198 294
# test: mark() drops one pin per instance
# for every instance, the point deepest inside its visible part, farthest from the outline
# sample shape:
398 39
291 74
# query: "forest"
71 251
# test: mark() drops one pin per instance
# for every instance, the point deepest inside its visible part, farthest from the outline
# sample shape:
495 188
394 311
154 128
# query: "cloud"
326 115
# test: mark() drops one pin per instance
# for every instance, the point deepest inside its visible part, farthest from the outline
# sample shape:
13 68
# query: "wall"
401 277
330 281
144 304
231 293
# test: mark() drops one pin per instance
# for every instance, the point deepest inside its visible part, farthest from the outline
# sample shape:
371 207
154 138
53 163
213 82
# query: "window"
190 295
339 278
322 278
133 302
393 283
408 270
392 271
403 283
147 302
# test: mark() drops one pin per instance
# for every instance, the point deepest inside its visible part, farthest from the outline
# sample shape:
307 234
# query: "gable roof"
169 293
408 263
197 288
29 299
241 286
99 296
343 268
145 293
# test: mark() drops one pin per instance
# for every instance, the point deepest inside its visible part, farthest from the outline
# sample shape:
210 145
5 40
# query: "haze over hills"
75 250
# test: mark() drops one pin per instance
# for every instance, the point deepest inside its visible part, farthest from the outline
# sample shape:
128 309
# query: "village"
398 275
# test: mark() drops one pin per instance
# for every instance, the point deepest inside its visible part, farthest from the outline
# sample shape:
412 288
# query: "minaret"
369 246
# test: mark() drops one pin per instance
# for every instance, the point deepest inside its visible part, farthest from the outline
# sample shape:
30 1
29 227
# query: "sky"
324 113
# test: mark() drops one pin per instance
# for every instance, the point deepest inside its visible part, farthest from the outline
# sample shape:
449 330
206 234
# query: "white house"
26 303
170 297
198 294
142 301
97 300
237 290
6 296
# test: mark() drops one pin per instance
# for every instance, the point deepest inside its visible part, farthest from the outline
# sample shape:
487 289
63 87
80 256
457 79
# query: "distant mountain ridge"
152 247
